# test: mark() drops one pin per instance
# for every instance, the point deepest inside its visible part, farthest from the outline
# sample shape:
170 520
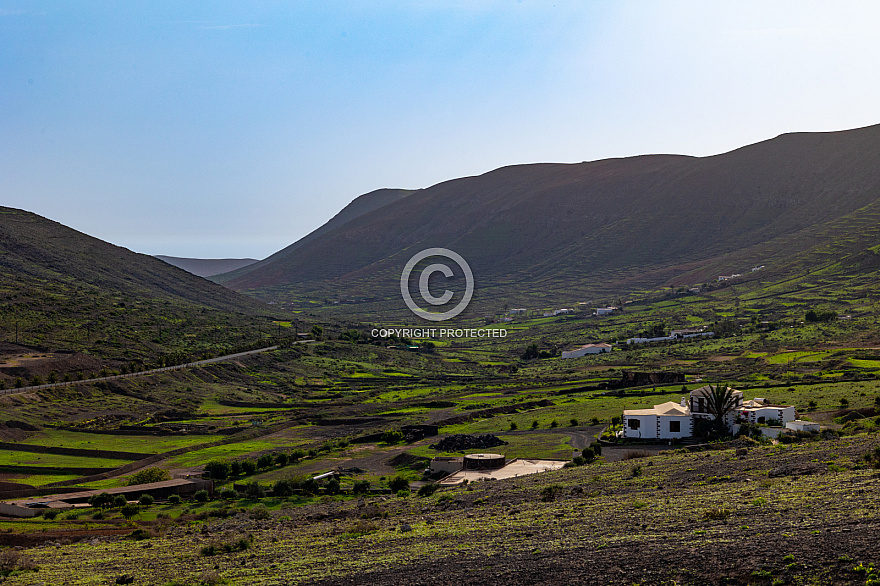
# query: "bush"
146 500
174 499
392 437
554 423
101 501
201 496
549 493
535 424
588 454
148 475
248 467
573 422
398 483
235 468
428 489
404 494
218 469
265 461
281 459
254 490
50 514
361 487
332 486
119 501
597 448
282 488
513 426
130 510
296 455
259 512
228 494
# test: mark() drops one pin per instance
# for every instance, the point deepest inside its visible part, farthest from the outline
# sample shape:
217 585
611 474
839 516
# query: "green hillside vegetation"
89 304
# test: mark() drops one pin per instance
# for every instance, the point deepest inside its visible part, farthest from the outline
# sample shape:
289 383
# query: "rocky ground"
802 514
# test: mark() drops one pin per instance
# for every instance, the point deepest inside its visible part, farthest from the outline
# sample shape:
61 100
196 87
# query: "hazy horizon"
231 131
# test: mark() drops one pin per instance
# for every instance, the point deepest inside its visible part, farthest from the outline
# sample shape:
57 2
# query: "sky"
217 129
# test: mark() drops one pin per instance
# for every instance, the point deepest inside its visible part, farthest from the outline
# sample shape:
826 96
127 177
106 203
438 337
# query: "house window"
633 423
675 426
762 420
700 405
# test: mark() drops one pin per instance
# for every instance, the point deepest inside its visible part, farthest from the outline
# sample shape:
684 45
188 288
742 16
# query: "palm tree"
720 401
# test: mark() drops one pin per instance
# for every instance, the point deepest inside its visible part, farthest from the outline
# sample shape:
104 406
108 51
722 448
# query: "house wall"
647 427
685 422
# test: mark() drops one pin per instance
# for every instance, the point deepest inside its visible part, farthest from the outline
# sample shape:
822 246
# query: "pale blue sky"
226 129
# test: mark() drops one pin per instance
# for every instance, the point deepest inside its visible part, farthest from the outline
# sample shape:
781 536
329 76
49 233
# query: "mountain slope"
556 231
206 267
361 205
66 291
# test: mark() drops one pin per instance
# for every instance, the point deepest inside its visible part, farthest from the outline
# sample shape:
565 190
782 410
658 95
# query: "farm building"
605 310
667 421
673 420
31 507
587 349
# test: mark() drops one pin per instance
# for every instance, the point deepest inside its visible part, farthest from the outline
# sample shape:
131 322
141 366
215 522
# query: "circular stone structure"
484 461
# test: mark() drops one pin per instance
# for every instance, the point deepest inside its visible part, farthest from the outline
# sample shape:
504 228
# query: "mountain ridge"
594 226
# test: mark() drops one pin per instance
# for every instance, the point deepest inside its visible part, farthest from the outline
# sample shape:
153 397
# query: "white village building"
587 349
676 420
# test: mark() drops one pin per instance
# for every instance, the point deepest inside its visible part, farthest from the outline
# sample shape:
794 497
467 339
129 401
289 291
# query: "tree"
265 461
248 467
146 500
101 501
281 458
720 400
218 469
201 496
361 487
130 510
120 501
282 488
317 332
531 352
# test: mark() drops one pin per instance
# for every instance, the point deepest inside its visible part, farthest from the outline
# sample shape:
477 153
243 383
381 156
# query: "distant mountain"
548 232
364 204
67 291
206 267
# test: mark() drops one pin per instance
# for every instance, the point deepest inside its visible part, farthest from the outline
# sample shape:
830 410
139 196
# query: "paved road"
142 373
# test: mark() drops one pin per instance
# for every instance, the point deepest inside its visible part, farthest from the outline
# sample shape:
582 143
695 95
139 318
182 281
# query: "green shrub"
146 500
228 494
588 454
281 459
148 475
428 489
254 490
332 486
259 512
174 499
50 514
249 467
573 422
361 487
201 496
282 488
549 493
265 461
513 426
296 455
392 437
119 501
554 423
404 493
235 468
130 510
398 483
218 469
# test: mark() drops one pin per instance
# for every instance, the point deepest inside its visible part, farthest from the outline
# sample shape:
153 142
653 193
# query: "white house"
799 425
761 411
587 349
605 310
667 421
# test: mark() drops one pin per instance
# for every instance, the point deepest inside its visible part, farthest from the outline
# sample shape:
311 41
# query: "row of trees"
221 469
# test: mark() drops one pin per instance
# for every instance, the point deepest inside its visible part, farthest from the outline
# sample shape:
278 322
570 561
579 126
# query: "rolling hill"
548 233
65 291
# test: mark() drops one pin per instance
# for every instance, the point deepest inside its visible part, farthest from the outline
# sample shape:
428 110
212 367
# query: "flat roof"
85 494
514 468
